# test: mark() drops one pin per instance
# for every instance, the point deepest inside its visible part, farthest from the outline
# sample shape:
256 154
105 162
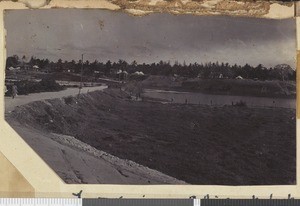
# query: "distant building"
122 75
239 77
14 68
35 67
138 73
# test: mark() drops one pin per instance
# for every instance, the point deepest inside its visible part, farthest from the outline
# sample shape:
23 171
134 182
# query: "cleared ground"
195 143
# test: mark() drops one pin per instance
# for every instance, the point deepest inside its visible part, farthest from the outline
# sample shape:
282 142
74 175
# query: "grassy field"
196 143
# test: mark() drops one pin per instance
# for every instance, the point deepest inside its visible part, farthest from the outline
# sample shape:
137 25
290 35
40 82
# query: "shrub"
240 104
68 100
49 84
25 87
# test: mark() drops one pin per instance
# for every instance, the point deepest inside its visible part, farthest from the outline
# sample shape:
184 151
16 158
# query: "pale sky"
107 35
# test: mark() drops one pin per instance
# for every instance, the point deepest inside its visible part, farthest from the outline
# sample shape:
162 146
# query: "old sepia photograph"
105 97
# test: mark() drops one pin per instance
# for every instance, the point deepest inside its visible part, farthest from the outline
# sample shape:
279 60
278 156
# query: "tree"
134 63
108 67
283 71
59 65
12 61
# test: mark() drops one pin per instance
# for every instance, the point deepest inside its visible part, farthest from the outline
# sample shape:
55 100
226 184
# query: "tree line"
202 70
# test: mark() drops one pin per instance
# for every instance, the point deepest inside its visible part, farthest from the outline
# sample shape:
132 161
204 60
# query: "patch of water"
218 100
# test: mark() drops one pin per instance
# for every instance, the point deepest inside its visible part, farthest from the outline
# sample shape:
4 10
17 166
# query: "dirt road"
10 103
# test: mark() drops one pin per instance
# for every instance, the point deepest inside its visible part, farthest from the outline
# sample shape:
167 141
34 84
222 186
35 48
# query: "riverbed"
218 100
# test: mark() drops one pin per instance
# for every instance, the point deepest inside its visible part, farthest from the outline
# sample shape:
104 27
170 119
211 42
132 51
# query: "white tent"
139 73
239 77
13 68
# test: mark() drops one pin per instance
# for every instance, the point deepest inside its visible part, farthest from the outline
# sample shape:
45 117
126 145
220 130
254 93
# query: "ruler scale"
40 202
250 202
138 202
145 202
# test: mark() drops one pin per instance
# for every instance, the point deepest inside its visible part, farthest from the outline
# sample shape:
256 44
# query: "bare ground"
77 162
195 143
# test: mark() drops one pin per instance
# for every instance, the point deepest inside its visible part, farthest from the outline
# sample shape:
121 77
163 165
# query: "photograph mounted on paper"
104 97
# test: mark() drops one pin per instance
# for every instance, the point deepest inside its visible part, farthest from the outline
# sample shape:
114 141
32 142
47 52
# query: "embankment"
198 144
73 160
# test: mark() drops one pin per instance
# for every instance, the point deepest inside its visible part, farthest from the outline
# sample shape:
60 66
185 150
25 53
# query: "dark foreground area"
199 144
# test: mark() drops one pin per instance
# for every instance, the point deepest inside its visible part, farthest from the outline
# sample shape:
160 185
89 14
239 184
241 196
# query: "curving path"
10 103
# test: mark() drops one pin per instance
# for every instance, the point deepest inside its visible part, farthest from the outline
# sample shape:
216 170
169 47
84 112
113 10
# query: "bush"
240 104
69 100
49 84
25 87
